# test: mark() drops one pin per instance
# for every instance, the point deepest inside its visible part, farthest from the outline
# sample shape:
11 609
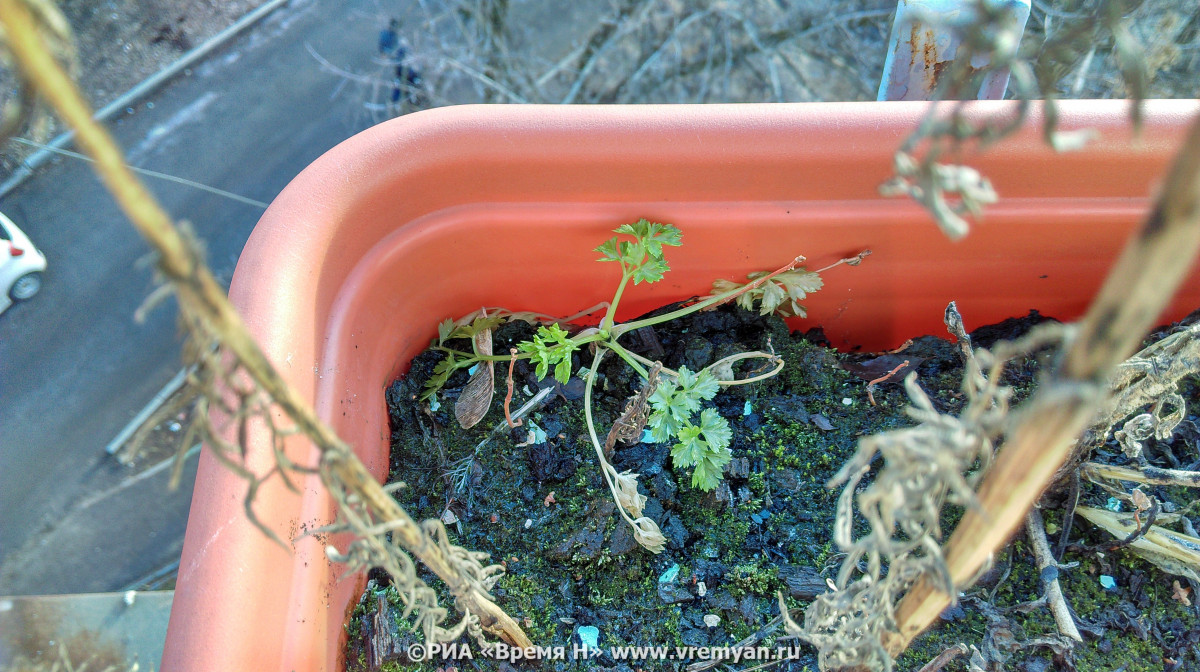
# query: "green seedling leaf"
675 401
708 473
690 449
671 411
705 448
715 430
551 347
609 251
651 271
700 386
652 235
444 330
641 258
441 373
478 326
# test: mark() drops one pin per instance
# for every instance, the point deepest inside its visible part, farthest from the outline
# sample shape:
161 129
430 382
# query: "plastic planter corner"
438 213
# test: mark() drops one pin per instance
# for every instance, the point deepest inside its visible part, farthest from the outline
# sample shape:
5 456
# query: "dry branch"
1147 475
1035 531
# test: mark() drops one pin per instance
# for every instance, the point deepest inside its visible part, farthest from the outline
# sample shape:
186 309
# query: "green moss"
760 577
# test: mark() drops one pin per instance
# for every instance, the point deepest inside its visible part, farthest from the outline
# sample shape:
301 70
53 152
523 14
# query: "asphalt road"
74 366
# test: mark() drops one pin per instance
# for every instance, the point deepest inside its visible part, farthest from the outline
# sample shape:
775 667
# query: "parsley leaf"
703 446
671 411
551 347
653 235
641 258
441 373
478 325
715 429
690 449
651 271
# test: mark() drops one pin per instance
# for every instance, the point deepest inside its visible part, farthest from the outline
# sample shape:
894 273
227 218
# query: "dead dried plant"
872 619
938 462
927 167
238 386
1148 380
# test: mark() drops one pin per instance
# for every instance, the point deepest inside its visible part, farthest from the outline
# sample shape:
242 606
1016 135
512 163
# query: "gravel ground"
121 42
118 43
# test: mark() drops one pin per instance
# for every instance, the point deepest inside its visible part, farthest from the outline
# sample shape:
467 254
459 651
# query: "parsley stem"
479 358
587 416
610 314
629 358
619 329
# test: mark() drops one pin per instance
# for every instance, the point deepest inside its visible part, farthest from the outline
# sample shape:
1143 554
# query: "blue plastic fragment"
669 575
646 438
1113 504
589 636
539 434
473 368
746 408
1108 582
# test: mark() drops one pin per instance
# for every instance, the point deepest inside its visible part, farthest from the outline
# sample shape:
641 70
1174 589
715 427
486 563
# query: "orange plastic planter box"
436 214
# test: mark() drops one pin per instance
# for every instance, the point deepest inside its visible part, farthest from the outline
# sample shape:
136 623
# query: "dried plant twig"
1035 532
945 658
882 379
1148 475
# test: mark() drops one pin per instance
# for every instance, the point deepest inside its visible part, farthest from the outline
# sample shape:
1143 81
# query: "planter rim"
316 283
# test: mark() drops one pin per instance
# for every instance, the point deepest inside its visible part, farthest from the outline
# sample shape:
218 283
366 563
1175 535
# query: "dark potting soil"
534 499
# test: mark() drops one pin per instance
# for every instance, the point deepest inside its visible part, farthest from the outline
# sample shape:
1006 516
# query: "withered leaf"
476 397
822 422
879 367
628 427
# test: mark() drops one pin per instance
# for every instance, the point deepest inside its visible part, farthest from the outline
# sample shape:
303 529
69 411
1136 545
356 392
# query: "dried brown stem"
508 397
871 385
1139 532
1151 268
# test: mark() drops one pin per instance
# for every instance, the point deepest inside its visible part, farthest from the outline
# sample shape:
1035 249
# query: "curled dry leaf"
648 534
476 397
625 484
1181 594
1140 500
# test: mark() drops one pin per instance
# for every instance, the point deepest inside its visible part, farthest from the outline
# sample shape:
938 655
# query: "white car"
21 265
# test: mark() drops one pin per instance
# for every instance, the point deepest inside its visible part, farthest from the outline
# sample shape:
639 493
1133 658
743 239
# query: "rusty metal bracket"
925 40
